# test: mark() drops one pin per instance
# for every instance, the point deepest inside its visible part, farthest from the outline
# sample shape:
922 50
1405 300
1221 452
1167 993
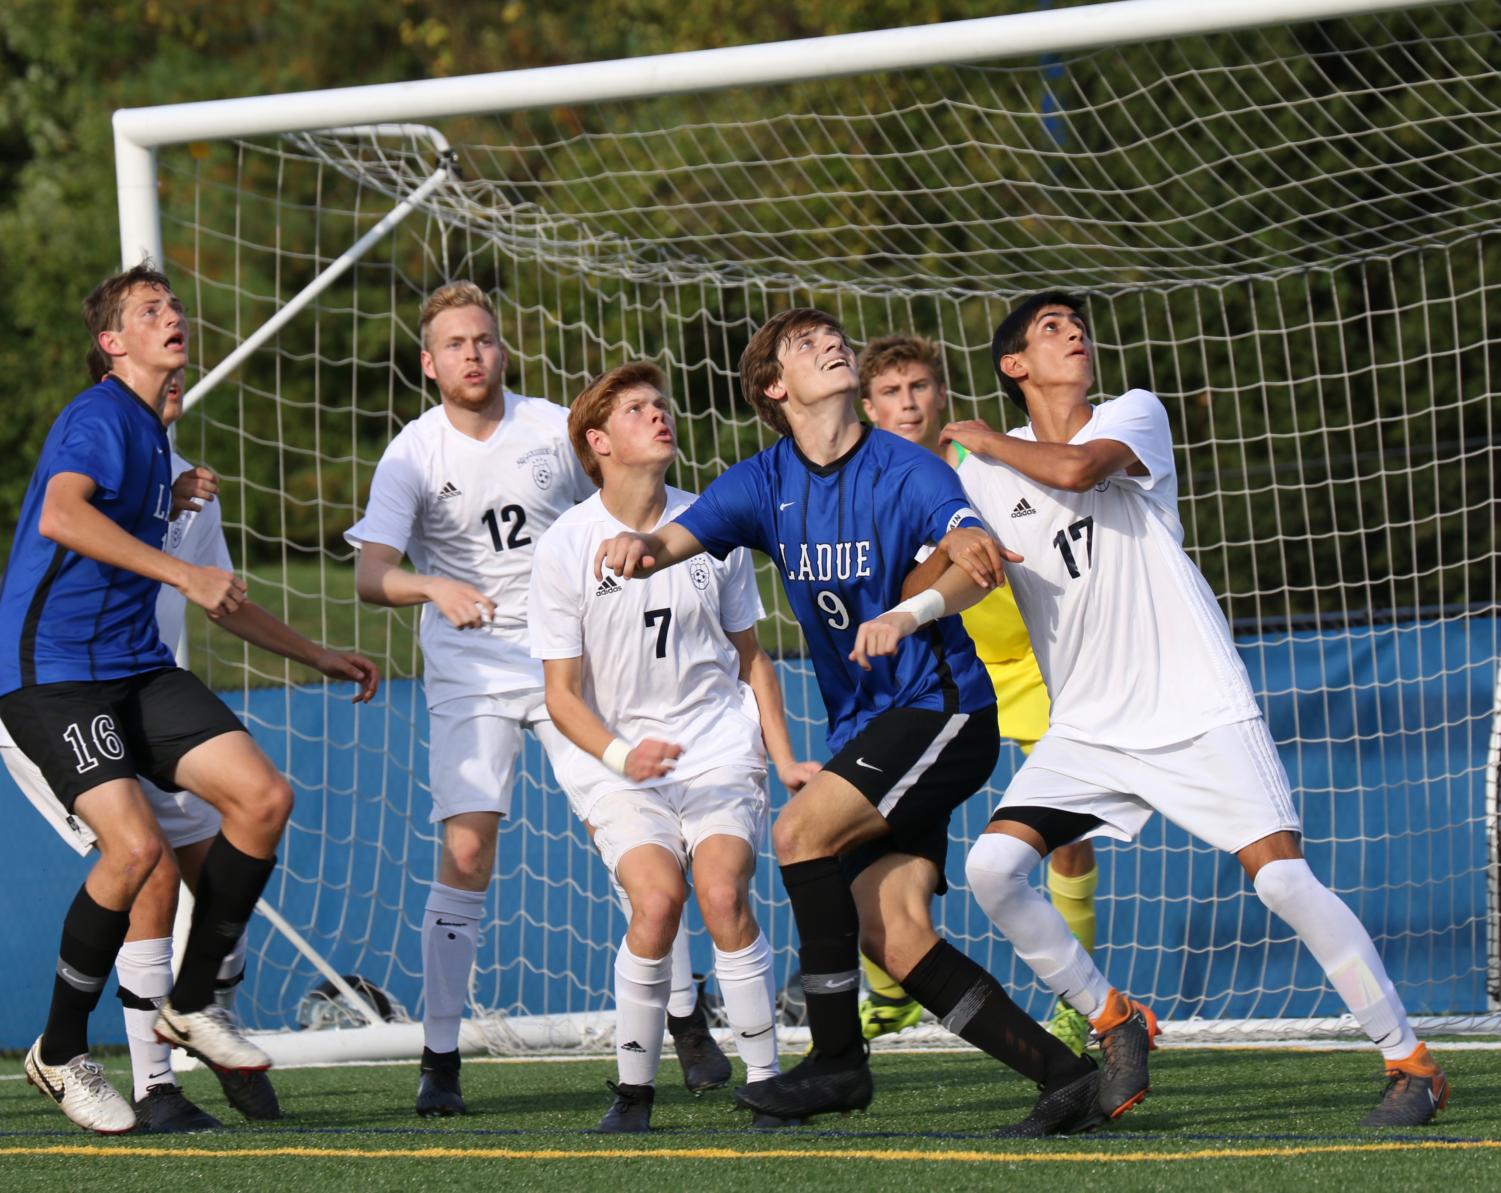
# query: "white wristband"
926 606
615 755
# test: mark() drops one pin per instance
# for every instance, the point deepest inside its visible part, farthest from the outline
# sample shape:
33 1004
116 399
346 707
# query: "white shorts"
728 801
185 819
1227 786
475 741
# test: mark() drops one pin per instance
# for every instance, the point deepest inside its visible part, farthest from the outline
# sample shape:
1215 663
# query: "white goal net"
1290 234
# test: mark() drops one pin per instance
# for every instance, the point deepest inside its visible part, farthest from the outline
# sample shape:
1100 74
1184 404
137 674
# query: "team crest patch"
698 572
542 472
177 530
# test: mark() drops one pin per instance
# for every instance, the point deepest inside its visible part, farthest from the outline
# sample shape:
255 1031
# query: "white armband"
615 755
926 606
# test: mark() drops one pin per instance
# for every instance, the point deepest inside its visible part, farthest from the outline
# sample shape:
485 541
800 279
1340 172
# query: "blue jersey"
844 536
64 616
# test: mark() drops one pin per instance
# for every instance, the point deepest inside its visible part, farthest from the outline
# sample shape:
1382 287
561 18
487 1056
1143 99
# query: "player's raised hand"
795 775
465 606
971 434
192 488
651 759
346 664
625 555
978 554
214 590
880 637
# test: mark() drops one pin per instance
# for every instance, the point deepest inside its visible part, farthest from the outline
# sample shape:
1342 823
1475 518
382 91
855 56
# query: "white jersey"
473 511
1131 643
196 538
656 659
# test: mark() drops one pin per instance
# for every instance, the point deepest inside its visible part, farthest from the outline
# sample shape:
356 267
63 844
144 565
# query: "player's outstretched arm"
1075 467
379 579
631 555
563 681
259 627
953 592
757 669
70 521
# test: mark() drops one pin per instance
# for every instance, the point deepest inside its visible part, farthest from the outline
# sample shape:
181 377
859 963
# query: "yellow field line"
724 1153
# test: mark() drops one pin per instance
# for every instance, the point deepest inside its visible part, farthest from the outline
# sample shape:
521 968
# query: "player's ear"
598 441
869 407
1012 366
776 390
427 365
109 343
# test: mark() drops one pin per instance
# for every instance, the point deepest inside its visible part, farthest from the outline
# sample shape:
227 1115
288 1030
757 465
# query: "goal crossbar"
139 131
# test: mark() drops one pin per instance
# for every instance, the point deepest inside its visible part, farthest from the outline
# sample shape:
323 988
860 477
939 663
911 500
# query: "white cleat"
212 1036
81 1092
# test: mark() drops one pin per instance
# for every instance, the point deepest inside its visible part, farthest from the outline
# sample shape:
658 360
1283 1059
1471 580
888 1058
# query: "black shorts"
915 766
82 734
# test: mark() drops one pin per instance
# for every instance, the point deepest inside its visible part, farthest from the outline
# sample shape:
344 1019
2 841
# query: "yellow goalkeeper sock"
882 983
1074 899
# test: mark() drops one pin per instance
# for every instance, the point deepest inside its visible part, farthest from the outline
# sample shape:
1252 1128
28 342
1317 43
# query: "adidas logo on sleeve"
1022 509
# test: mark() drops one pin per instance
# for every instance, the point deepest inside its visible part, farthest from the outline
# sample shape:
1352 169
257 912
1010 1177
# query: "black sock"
92 935
229 884
972 1005
828 930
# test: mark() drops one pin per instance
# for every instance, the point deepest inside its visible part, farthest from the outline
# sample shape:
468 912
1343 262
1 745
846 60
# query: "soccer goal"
1287 218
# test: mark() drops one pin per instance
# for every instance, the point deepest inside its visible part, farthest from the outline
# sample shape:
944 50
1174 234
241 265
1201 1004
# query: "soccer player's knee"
721 901
656 910
994 872
270 805
795 839
136 856
472 859
1284 884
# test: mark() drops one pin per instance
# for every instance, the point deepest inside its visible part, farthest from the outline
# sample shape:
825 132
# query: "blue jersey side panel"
64 616
844 536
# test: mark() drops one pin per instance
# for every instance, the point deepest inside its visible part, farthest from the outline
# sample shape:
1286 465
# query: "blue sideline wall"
1390 724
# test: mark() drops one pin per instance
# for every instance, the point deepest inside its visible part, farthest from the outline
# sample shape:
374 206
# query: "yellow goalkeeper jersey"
1001 641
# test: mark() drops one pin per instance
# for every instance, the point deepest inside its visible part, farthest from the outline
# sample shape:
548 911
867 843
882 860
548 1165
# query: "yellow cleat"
881 1017
1069 1028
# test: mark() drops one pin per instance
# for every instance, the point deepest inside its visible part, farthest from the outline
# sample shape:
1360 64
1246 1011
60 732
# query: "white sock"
997 870
450 936
750 996
231 974
1340 943
684 996
144 970
641 987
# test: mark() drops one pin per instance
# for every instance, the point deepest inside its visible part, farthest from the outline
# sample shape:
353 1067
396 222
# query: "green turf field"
1256 1120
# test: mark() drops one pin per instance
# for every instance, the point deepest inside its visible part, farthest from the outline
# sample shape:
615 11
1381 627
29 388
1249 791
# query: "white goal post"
1286 216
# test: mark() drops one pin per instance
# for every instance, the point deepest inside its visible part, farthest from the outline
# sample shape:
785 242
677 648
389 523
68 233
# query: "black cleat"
1068 1110
165 1110
1416 1090
705 1066
250 1093
1124 1081
438 1091
815 1086
772 1122
631 1113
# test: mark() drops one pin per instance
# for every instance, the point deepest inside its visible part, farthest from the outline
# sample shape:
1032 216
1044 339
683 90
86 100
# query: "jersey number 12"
515 518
